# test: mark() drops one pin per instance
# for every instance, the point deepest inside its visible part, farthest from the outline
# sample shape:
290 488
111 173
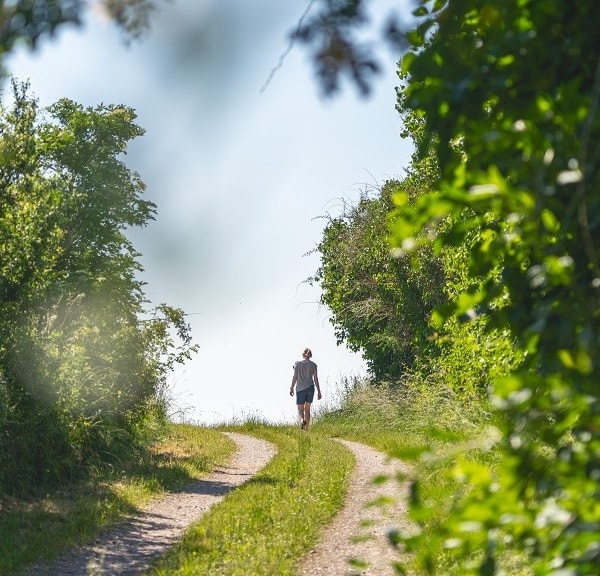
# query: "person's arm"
316 381
294 380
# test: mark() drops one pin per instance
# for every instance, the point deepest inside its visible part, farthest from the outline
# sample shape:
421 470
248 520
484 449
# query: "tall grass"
402 419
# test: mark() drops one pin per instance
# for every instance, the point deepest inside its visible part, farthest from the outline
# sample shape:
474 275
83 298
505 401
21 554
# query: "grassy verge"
265 526
40 528
428 428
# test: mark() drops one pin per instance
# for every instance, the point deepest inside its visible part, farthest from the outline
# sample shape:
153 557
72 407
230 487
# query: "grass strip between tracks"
266 525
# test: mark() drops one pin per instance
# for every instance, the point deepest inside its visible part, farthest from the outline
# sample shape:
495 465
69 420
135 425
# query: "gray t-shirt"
304 370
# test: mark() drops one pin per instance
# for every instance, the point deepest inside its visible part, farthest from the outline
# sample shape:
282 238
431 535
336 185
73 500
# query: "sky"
244 180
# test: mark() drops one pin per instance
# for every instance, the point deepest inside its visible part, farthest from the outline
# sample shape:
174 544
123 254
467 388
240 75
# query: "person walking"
305 379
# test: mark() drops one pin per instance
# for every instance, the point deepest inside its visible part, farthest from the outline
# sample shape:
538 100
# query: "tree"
329 32
380 305
29 21
81 365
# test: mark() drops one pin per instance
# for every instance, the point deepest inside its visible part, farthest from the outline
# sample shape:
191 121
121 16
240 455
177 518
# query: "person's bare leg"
301 414
307 414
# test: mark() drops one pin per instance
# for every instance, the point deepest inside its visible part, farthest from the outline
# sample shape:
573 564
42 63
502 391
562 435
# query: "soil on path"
359 531
129 548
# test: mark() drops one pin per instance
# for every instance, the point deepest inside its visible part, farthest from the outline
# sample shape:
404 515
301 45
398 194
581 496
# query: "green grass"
429 429
40 528
265 526
269 523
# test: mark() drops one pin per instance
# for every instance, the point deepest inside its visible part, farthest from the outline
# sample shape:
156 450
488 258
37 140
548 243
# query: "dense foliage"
509 93
82 361
380 305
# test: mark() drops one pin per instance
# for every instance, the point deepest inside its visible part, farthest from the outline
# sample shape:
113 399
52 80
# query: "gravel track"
129 548
358 531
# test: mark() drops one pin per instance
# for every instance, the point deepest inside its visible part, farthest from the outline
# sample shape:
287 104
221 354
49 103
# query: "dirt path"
359 530
128 549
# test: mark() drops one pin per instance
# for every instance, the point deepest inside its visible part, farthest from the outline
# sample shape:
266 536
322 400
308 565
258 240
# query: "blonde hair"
307 353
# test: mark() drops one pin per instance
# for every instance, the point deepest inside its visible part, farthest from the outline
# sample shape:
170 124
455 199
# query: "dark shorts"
305 395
